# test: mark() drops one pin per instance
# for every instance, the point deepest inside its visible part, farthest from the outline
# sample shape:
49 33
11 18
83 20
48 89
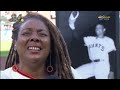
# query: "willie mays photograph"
91 41
60 45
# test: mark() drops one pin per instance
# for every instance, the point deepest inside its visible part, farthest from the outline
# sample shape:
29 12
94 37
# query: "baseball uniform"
98 49
12 73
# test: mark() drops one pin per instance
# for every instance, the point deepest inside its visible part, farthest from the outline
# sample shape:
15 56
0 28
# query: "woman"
38 51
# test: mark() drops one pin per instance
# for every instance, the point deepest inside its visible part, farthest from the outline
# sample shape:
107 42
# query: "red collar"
16 69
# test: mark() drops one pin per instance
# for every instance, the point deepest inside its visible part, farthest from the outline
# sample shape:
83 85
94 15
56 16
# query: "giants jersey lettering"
98 48
97 45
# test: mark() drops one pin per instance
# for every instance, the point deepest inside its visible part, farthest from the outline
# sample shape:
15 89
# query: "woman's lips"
34 48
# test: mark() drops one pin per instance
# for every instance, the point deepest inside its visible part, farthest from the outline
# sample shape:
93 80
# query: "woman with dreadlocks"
38 51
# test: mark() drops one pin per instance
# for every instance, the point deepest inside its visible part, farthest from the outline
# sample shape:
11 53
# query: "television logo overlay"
104 17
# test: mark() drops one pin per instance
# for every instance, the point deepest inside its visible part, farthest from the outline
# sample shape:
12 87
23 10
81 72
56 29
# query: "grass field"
4 48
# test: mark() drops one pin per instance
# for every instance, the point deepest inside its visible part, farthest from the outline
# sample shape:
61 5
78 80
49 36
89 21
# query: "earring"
50 67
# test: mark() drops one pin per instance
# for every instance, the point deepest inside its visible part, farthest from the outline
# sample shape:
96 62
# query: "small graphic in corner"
103 17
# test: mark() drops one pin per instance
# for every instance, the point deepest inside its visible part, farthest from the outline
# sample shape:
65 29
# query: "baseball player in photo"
99 48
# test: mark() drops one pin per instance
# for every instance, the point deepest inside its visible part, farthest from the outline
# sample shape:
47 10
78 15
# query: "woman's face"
33 43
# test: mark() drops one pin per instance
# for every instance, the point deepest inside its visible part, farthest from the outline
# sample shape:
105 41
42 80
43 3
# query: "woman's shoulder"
75 74
5 73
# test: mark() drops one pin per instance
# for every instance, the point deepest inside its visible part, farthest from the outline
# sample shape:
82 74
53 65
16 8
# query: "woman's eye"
26 33
43 34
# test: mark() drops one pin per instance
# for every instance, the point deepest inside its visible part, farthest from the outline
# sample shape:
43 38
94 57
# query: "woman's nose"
34 38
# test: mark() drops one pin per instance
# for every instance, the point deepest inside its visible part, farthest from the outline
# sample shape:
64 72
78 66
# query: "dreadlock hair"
59 53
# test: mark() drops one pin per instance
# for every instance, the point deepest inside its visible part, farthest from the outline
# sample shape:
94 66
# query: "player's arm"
111 53
112 60
112 65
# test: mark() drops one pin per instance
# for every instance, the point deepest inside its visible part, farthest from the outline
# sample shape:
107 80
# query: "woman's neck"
36 71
